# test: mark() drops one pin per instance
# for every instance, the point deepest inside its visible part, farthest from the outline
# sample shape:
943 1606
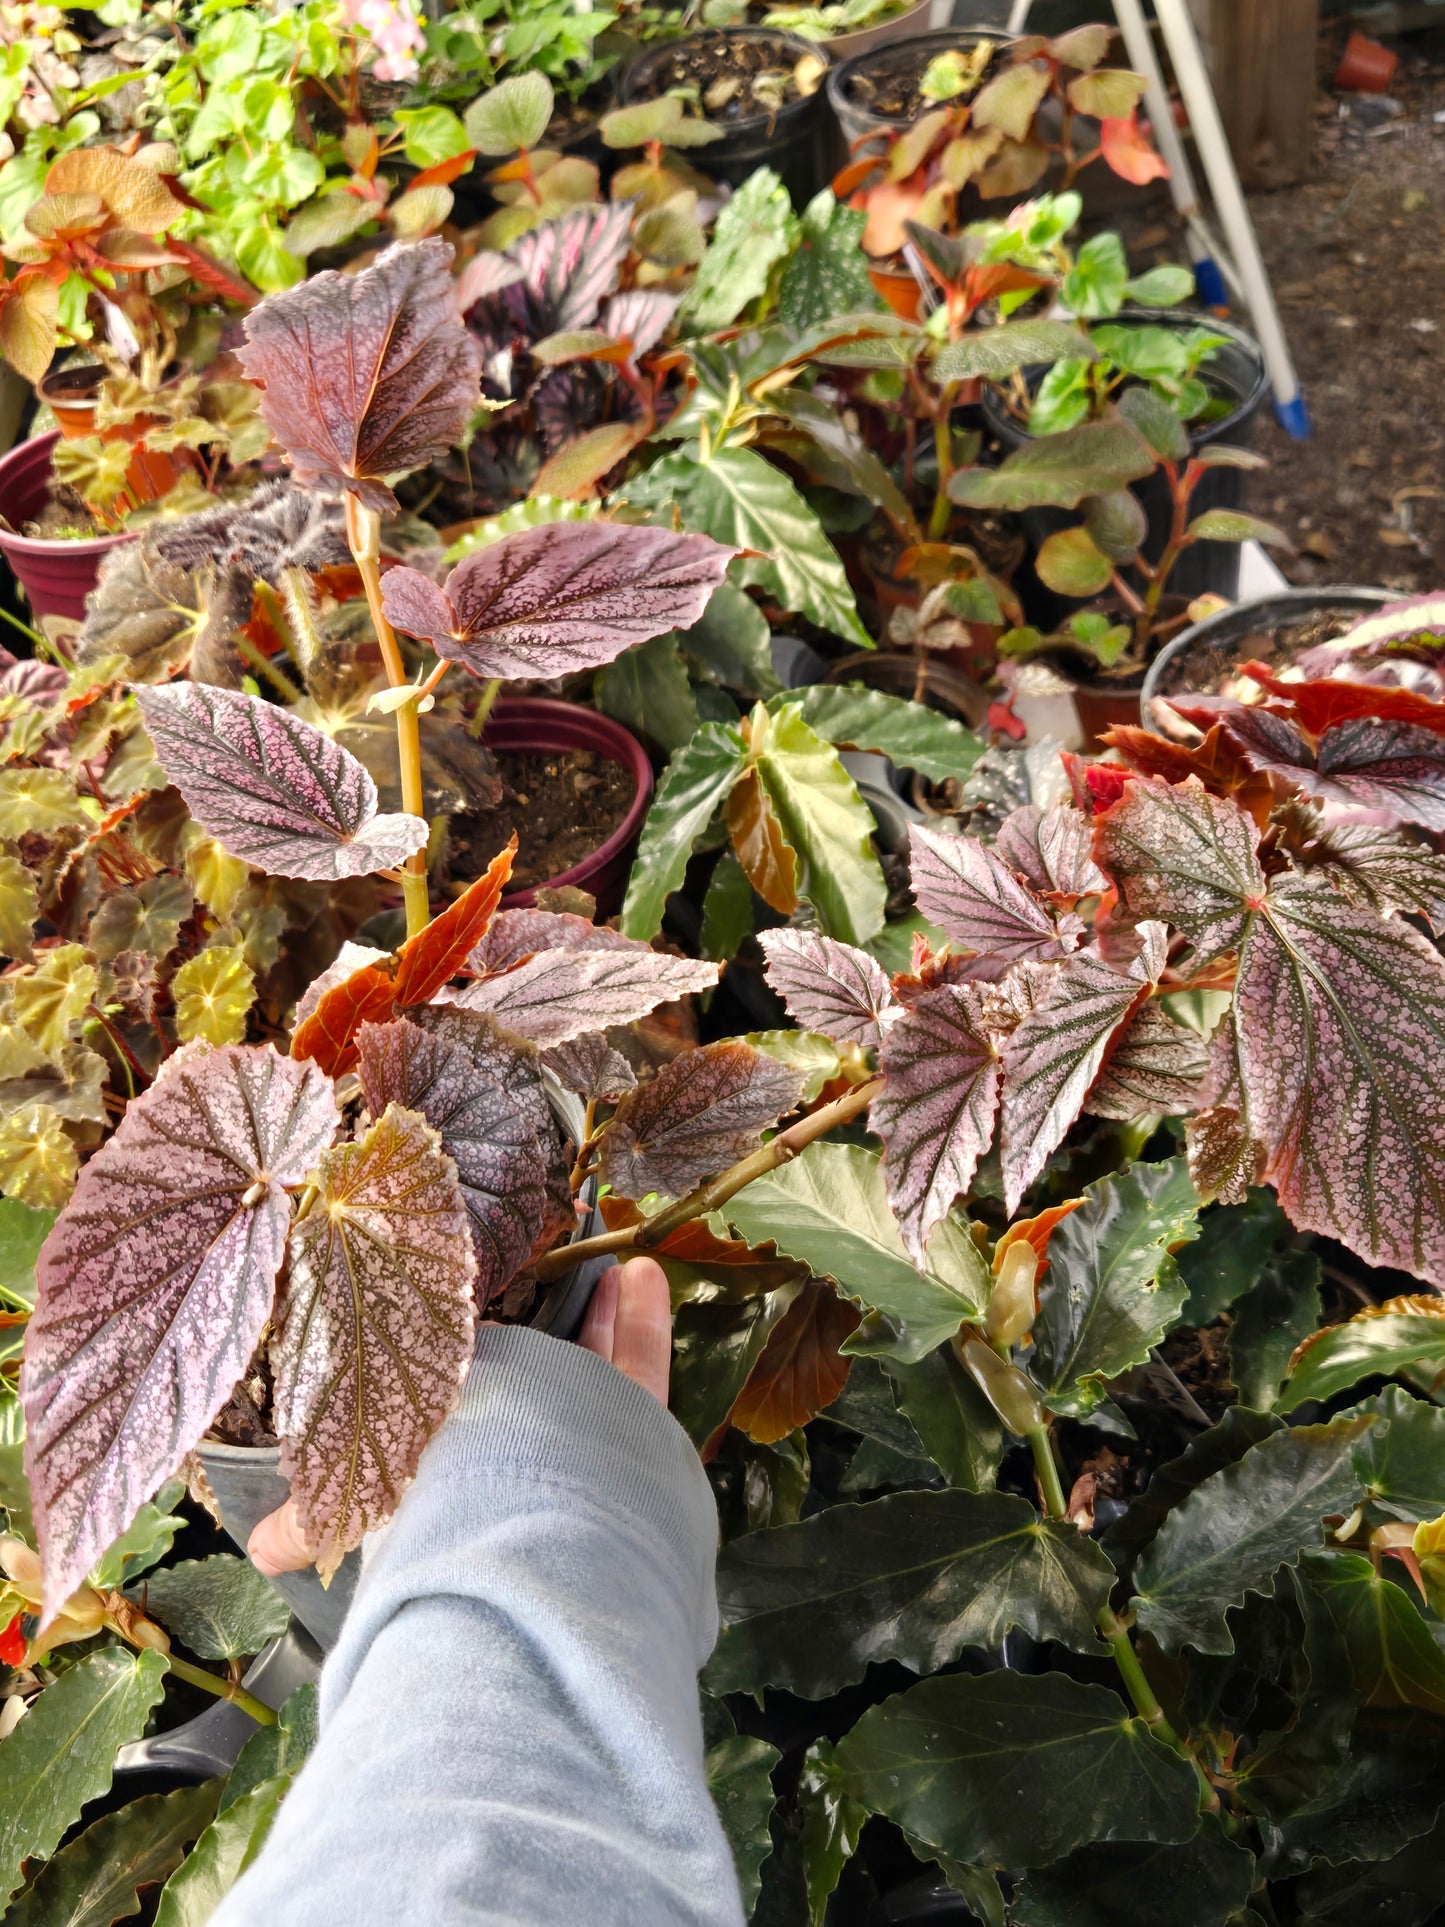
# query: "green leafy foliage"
1394 1341
273 1750
96 1878
696 784
221 1855
755 230
219 1608
826 274
738 1777
852 716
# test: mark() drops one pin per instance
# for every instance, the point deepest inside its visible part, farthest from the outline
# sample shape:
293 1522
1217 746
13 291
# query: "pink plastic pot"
56 576
536 724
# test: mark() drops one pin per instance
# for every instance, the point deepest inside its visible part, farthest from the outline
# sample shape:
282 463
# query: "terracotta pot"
56 576
70 394
1367 67
1100 707
538 725
892 591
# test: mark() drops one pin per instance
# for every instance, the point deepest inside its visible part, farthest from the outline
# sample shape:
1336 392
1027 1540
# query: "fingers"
630 1323
277 1544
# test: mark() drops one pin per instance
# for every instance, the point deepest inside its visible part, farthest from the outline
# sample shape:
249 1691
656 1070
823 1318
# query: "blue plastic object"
1294 418
1209 283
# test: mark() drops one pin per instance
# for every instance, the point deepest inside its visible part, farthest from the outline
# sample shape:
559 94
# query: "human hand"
629 1323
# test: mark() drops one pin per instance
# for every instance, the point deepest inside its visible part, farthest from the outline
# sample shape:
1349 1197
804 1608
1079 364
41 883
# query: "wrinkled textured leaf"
1379 867
852 716
213 995
1050 850
800 1370
96 1878
913 1578
272 789
1156 1065
590 1067
994 353
694 785
701 1113
969 892
155 1286
1185 856
516 935
374 1328
565 596
828 986
559 994
220 1608
366 375
1398 1341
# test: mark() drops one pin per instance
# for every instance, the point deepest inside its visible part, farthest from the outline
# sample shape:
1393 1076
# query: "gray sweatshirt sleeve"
510 1729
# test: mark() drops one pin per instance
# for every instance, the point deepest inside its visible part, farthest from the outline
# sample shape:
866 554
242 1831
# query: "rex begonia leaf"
1383 766
155 1286
829 986
590 1067
558 994
1180 854
935 1114
516 935
499 1164
1156 1065
1111 1290
366 375
976 899
800 1370
565 596
914 1578
1370 864
701 1113
374 1328
271 788
1051 850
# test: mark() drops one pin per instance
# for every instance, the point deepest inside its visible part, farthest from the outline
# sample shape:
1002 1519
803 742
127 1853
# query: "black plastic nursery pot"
791 141
854 84
1200 659
1237 374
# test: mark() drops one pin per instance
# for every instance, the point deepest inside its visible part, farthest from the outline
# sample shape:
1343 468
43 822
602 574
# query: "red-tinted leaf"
769 861
935 1114
1217 760
1321 704
701 1113
431 958
590 1067
349 959
972 895
443 173
1156 1066
693 1243
1130 152
366 375
1037 1230
641 316
155 1286
374 1328
207 271
500 1167
800 1370
328 1035
566 596
828 986
270 788
13 1642
1382 766
516 935
1052 850
1178 853
559 994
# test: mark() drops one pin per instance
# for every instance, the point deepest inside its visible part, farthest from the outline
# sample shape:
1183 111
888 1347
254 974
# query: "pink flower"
395 32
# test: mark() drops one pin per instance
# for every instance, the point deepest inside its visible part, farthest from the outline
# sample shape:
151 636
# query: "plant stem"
1047 1467
224 1689
707 1197
484 708
363 534
263 666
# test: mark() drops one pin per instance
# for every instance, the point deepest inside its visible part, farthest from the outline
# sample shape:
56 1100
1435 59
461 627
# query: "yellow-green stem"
223 1689
263 666
484 707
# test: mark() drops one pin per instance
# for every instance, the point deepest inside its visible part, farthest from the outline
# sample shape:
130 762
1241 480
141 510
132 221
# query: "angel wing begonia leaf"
972 895
516 935
270 788
558 994
426 961
565 596
499 1163
829 986
1156 1066
1377 866
800 1370
155 1285
374 1328
700 1114
935 1114
366 375
1051 850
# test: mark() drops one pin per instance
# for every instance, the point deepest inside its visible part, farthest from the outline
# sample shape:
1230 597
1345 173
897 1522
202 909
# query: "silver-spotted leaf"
366 375
566 596
829 986
499 1164
972 895
515 935
271 788
559 994
1180 854
935 1114
1390 766
1377 866
1051 850
590 1067
701 1113
155 1286
374 1328
1156 1065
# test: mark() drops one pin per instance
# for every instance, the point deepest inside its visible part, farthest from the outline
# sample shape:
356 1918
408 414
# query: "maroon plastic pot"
56 576
538 725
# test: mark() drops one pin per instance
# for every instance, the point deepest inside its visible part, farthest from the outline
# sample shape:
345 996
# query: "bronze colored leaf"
800 1370
701 1113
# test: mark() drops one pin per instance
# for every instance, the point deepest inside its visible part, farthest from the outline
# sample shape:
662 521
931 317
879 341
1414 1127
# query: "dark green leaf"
1403 1892
95 1880
1279 1314
715 1346
868 1404
1201 1883
1369 1347
1230 1254
1401 1459
647 689
1156 422
832 1822
1299 1761
915 1577
738 1770
1386 1792
727 909
1223 1444
221 1856
844 459
220 1608
1016 1770
730 643
1117 524
1396 1656
281 1748
147 1539
827 272
63 1752
1232 1533
997 352
876 1468
852 716
695 784
958 1427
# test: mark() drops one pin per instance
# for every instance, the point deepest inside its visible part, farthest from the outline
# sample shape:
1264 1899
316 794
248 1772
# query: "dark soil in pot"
777 125
878 90
55 575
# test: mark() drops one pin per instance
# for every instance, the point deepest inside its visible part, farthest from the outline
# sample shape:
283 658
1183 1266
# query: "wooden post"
1262 64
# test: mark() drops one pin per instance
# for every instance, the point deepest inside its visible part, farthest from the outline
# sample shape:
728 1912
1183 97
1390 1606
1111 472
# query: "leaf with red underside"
975 898
207 271
155 1285
1321 704
1051 850
271 789
1177 853
1155 1066
500 1167
1217 761
516 935
374 1328
800 1370
701 1113
935 1113
1129 151
828 986
328 1035
566 596
694 1243
1036 1230
431 958
558 994
366 375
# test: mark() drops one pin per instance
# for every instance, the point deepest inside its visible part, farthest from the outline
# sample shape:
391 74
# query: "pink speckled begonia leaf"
365 376
558 994
374 1330
590 1067
516 935
499 1163
975 898
1179 854
563 597
828 986
271 789
1383 766
155 1285
1051 849
1341 1021
936 1112
1372 864
701 1113
1157 1065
